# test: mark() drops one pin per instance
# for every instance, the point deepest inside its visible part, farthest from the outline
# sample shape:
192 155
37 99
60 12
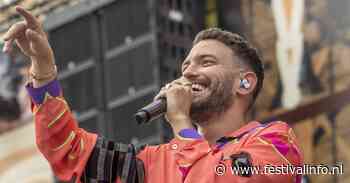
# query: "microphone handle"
152 111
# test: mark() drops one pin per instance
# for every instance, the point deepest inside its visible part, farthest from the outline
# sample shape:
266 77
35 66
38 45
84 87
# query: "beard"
217 101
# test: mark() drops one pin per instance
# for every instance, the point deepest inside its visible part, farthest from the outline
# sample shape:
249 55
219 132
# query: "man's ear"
247 83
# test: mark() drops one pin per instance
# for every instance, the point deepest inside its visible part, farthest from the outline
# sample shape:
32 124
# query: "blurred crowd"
14 104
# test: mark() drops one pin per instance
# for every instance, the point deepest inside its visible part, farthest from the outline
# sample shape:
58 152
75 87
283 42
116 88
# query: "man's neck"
224 123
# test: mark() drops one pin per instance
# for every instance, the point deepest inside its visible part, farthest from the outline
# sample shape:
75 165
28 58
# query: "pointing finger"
32 22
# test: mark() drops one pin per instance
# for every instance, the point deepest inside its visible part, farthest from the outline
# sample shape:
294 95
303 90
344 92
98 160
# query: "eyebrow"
207 55
201 57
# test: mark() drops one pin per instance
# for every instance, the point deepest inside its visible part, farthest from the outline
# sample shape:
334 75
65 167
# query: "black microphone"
151 111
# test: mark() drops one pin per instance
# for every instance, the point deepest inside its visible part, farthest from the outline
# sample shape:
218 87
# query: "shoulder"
274 132
276 139
277 129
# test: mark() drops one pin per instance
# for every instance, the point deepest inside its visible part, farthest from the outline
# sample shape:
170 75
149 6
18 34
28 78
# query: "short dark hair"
241 48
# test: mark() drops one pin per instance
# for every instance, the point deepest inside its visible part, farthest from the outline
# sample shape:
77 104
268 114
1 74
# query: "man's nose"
191 72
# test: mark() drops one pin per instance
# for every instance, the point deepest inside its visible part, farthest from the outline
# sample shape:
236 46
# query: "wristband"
40 77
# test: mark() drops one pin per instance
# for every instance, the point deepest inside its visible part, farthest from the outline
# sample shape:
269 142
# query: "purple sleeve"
38 94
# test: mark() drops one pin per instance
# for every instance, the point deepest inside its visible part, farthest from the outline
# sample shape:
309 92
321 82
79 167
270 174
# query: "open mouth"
198 89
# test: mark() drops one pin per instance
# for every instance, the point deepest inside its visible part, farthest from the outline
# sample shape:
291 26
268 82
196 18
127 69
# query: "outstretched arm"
71 151
64 145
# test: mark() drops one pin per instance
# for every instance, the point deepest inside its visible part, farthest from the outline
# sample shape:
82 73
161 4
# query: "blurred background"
114 55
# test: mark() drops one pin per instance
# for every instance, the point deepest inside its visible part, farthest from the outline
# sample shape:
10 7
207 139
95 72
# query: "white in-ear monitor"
244 84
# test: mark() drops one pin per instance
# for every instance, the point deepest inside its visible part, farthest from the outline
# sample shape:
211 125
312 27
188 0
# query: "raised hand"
32 40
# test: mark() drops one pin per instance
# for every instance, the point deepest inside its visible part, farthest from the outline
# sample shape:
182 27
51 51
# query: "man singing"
206 108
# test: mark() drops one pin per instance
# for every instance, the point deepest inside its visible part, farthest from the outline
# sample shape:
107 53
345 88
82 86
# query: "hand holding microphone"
174 99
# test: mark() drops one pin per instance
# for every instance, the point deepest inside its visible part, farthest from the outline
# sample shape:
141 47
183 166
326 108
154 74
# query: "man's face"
211 69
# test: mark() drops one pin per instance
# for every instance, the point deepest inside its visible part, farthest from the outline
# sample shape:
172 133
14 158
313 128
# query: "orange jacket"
189 159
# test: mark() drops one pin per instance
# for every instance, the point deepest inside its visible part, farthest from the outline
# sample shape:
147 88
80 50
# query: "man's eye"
207 63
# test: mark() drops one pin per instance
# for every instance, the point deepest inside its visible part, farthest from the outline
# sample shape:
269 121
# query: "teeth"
197 87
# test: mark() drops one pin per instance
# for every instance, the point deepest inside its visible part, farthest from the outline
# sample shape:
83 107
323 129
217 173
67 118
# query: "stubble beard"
218 101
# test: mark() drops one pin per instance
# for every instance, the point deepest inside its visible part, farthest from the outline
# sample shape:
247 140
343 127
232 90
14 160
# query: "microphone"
151 111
